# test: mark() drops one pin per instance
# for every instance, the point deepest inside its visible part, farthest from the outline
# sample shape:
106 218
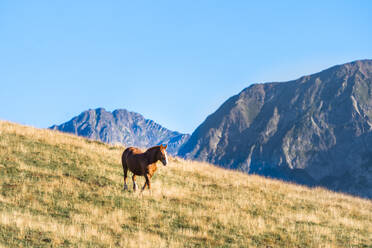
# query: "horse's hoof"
125 187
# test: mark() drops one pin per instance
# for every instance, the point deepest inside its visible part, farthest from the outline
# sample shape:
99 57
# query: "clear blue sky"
173 61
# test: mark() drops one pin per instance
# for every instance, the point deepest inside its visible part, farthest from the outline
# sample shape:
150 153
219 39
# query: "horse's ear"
165 147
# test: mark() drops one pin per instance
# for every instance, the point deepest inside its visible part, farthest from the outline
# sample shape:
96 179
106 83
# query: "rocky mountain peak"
314 130
122 126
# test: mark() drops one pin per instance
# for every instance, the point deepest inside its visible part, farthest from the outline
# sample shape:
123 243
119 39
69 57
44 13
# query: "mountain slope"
122 126
59 190
315 130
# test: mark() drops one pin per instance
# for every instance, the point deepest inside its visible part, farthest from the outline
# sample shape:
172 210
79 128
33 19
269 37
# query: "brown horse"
142 163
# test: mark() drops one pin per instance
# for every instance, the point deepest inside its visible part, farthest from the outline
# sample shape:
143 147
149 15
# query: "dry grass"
60 190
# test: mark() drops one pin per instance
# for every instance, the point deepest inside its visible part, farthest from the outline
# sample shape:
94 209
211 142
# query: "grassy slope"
60 190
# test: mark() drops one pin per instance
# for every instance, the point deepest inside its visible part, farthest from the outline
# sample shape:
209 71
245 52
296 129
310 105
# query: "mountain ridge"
314 130
122 126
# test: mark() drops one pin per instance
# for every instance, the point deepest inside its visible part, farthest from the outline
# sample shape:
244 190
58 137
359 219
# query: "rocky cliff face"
316 130
124 127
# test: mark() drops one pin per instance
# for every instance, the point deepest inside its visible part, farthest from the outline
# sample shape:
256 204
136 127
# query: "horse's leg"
125 167
147 177
134 183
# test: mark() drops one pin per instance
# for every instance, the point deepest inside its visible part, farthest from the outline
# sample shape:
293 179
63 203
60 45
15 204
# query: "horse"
142 163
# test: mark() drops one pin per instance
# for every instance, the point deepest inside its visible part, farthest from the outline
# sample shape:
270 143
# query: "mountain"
124 127
316 130
59 190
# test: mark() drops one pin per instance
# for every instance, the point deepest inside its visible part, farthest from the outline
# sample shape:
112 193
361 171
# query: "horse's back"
131 161
131 150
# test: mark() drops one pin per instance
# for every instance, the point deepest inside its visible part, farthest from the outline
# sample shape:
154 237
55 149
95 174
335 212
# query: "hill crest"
61 190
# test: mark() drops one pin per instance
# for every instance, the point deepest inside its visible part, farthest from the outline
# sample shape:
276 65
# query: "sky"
174 62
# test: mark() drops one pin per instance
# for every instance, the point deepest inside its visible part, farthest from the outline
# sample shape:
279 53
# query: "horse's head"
163 154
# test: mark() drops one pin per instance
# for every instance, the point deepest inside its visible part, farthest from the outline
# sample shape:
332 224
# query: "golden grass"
64 191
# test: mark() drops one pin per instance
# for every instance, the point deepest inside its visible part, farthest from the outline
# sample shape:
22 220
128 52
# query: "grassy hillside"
63 191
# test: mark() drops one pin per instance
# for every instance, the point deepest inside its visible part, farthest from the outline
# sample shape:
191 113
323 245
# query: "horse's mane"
151 152
151 149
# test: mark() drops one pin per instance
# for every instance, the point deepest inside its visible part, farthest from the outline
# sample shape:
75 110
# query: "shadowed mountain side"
124 127
315 130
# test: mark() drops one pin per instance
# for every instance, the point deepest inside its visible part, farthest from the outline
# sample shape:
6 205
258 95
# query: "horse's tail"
125 166
124 159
